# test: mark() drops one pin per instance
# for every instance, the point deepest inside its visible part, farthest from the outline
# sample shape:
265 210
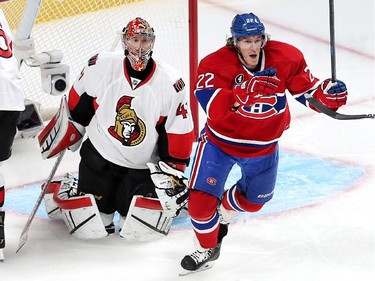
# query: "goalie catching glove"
171 187
60 133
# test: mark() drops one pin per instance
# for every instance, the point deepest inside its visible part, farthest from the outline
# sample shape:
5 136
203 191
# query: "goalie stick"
25 231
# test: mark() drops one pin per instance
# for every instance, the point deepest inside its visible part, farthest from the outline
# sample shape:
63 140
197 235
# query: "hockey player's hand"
263 83
331 94
171 187
60 133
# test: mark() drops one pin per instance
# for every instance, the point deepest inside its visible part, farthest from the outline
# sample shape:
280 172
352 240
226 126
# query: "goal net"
82 28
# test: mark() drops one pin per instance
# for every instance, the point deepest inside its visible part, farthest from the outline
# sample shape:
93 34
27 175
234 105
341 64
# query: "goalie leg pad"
53 211
146 220
82 218
65 188
80 214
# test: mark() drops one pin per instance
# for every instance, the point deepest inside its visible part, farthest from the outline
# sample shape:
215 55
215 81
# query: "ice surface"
320 223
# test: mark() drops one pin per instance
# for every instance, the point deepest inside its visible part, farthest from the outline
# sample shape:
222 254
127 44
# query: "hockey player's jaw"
251 59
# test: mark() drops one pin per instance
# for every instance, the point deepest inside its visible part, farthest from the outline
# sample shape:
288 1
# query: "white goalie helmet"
138 40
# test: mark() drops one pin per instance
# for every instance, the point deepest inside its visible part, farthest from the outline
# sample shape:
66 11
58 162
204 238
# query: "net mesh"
82 28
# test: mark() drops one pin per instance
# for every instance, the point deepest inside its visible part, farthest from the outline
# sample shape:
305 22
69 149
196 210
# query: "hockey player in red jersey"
137 119
242 88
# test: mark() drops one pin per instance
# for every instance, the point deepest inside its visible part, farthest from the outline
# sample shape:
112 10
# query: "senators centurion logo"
129 129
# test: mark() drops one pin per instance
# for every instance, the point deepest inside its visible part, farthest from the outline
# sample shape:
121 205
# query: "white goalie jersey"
128 111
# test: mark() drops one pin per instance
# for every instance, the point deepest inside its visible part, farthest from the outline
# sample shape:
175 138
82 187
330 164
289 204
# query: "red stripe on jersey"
179 145
126 74
96 105
161 120
2 195
198 159
148 203
73 98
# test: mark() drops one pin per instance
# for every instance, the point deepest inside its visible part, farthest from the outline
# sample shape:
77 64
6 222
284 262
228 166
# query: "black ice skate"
203 259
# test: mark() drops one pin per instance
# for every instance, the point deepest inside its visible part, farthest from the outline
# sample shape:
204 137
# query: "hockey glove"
263 83
171 187
60 133
331 94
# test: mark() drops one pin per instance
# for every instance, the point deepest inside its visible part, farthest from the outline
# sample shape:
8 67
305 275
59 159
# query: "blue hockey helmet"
245 25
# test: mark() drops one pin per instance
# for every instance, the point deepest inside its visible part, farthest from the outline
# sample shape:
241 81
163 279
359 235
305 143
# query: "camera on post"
55 75
54 78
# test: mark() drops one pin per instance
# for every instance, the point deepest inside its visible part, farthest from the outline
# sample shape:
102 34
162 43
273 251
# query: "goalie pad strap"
80 213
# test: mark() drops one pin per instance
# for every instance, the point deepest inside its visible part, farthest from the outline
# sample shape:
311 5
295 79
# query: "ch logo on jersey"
211 181
265 108
129 129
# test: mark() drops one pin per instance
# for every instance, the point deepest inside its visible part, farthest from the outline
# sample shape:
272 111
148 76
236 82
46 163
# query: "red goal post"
82 28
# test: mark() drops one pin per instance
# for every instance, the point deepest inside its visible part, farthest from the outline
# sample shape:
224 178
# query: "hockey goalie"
134 113
148 217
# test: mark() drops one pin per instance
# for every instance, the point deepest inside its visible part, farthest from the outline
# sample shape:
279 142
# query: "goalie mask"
247 25
138 41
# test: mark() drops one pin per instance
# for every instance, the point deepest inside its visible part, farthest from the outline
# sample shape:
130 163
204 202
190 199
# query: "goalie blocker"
146 219
60 133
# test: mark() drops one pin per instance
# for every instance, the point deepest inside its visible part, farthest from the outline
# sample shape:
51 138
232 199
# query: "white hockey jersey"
129 113
11 93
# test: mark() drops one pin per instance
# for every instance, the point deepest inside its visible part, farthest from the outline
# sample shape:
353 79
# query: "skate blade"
206 266
1 255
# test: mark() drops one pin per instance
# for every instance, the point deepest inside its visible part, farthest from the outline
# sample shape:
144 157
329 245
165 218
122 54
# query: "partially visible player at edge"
242 88
135 111
11 106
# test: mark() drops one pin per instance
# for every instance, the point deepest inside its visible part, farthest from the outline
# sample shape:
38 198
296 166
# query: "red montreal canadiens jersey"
250 131
128 111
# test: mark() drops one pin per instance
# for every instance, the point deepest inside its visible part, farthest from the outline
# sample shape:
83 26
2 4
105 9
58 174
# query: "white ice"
331 239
